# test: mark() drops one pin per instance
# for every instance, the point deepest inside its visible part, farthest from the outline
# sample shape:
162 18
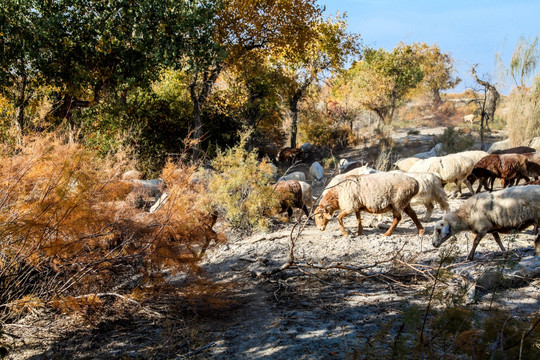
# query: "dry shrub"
65 231
522 115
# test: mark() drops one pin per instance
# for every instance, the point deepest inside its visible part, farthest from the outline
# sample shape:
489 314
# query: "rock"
435 151
499 145
535 143
525 271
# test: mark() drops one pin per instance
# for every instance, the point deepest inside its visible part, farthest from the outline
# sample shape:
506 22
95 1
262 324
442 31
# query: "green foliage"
240 187
455 141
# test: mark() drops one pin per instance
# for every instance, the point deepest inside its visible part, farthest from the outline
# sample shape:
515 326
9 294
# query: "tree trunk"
294 119
19 123
489 105
436 98
198 98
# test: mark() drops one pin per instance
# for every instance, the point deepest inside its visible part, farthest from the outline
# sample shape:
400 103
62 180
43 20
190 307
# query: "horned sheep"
375 193
501 211
450 168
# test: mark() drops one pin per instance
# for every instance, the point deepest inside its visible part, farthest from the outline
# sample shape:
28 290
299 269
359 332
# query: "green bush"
240 187
454 141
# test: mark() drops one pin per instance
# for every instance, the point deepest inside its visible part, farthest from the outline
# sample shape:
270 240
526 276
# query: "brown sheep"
504 166
289 155
515 150
290 195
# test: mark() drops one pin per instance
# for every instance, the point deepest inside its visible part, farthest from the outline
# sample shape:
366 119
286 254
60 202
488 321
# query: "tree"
240 28
523 104
18 53
382 79
523 64
86 48
328 51
488 105
438 69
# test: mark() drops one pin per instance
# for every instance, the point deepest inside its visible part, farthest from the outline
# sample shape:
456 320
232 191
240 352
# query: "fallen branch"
188 355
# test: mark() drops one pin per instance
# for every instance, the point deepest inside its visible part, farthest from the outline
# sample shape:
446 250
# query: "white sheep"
506 210
475 155
375 193
132 175
430 191
317 172
296 175
406 163
363 170
343 163
450 168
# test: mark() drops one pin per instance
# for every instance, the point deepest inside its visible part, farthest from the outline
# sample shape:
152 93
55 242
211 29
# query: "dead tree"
488 105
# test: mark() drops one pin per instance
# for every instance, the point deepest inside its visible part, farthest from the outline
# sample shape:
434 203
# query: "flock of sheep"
421 182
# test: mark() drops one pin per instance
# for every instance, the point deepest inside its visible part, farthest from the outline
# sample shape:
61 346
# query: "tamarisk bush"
66 233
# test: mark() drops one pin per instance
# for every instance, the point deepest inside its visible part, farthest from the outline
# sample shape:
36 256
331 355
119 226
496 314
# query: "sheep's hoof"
388 233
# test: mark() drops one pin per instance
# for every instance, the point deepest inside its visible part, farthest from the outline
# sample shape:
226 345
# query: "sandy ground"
313 314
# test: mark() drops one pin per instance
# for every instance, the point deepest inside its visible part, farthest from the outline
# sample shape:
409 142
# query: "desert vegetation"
211 103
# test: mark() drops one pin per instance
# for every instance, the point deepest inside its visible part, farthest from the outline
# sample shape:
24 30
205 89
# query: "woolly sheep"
475 155
375 193
307 194
515 150
502 211
507 167
406 163
317 172
450 168
132 175
296 175
290 195
430 191
289 155
363 170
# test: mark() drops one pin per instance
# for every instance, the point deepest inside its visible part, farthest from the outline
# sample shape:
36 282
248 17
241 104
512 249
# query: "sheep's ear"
327 213
445 231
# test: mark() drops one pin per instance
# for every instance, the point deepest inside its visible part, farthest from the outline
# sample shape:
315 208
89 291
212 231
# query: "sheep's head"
442 232
323 214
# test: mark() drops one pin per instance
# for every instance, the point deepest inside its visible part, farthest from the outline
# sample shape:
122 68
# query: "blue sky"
472 32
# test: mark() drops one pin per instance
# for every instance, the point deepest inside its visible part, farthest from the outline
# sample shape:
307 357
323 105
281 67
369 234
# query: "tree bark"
489 105
19 123
294 119
198 98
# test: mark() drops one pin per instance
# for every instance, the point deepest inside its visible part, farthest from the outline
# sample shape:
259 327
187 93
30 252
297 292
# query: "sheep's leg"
469 186
492 182
306 211
498 240
289 212
481 182
474 245
359 220
409 211
429 210
340 220
397 219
